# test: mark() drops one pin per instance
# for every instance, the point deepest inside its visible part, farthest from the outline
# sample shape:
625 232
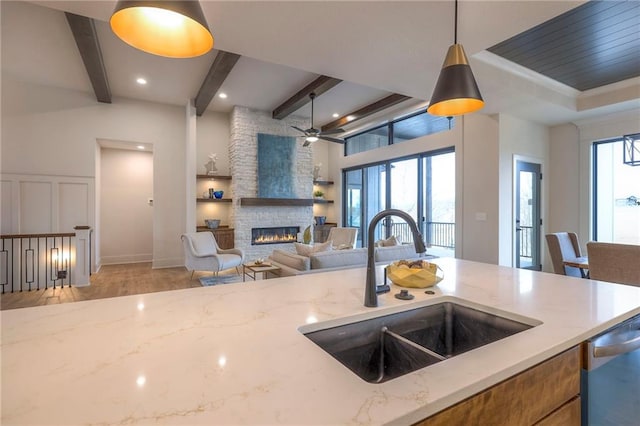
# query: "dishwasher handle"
619 344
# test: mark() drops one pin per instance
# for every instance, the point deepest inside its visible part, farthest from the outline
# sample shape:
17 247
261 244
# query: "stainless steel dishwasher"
610 385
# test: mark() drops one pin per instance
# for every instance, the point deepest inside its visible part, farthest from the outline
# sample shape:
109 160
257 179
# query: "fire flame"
286 238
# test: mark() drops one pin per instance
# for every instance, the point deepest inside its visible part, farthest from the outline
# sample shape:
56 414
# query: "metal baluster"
26 265
4 254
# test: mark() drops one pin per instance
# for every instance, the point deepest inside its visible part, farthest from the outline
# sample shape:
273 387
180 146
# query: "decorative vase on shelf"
218 194
316 172
211 168
211 165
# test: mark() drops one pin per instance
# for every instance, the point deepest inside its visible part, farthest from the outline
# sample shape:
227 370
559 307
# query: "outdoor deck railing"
39 261
525 241
439 234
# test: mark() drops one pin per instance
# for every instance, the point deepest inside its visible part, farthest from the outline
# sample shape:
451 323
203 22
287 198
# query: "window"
616 195
371 139
422 185
403 129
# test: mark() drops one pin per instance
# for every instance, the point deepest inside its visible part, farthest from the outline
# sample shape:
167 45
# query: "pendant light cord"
455 25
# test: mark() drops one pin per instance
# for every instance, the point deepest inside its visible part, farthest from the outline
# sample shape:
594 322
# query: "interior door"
527 216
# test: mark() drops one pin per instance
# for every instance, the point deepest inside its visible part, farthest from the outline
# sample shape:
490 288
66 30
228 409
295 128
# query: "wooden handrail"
63 234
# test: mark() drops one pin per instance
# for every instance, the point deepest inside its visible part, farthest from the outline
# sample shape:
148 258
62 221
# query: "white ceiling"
377 48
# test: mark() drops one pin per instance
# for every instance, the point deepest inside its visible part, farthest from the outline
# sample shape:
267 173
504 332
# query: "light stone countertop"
233 354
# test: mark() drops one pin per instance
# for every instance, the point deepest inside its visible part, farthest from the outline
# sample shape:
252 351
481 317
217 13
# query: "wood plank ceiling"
595 44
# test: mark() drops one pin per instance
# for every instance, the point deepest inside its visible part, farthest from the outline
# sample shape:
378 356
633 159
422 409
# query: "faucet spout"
370 295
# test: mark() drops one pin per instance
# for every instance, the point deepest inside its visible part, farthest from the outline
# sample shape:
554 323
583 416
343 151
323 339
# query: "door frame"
515 237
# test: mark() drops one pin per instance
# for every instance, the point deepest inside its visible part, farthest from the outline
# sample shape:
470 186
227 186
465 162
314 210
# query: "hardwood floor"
110 281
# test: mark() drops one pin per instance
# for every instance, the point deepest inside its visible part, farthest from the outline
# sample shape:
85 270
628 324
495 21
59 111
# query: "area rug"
220 279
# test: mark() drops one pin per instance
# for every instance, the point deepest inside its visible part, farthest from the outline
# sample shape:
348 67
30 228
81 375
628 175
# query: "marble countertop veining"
233 354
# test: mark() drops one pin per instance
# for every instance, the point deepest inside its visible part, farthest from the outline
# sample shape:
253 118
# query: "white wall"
212 136
602 128
126 222
34 204
564 175
570 169
479 175
526 141
58 129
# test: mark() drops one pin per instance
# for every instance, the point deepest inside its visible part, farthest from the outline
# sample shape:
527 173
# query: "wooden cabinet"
321 232
224 235
546 394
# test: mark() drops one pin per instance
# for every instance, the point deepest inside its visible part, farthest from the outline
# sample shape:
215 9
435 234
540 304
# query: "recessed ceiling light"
222 96
140 146
141 81
140 381
350 117
336 115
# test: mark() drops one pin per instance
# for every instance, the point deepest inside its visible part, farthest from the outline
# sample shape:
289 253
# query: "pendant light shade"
175 29
456 91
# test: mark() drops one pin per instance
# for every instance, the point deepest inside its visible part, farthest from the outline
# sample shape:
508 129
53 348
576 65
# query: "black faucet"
370 295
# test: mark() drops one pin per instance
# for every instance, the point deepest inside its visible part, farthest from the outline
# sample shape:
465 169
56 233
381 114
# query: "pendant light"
456 91
175 29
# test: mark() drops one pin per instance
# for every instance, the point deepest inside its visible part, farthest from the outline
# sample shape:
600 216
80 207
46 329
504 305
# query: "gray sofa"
294 264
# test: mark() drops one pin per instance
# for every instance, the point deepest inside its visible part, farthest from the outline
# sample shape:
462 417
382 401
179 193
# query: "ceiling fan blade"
299 129
333 132
306 143
330 139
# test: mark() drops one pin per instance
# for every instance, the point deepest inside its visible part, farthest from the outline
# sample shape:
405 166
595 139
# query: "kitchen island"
233 354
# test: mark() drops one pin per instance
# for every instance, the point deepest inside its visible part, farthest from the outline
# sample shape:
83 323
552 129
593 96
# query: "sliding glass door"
421 185
439 202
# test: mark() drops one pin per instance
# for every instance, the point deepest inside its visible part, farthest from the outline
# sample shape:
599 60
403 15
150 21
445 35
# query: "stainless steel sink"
385 347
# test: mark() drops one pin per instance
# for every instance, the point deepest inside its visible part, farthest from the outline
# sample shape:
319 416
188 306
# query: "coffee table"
251 269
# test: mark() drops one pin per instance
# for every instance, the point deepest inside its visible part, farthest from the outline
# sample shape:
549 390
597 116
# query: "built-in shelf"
282 202
322 201
214 177
323 182
213 200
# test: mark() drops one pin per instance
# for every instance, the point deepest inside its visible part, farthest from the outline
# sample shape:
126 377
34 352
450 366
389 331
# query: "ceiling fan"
312 134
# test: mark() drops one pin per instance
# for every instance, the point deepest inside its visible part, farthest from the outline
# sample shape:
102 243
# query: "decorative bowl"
414 274
212 223
218 194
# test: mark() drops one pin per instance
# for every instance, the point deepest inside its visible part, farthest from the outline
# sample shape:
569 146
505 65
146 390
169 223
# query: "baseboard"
124 259
172 262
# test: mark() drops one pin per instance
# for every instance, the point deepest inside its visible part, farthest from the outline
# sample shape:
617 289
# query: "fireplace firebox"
274 235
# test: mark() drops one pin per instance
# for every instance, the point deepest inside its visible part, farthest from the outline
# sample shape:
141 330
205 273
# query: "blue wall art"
276 166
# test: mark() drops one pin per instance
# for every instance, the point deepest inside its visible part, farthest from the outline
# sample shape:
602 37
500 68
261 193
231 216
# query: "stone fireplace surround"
243 149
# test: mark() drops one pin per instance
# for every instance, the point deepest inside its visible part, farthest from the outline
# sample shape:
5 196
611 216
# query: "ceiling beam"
84 32
366 111
297 101
220 69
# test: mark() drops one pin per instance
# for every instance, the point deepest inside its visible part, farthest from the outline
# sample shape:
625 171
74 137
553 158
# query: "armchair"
201 253
343 237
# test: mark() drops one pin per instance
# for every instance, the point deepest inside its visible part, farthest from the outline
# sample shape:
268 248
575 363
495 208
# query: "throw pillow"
303 249
389 242
308 250
344 247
